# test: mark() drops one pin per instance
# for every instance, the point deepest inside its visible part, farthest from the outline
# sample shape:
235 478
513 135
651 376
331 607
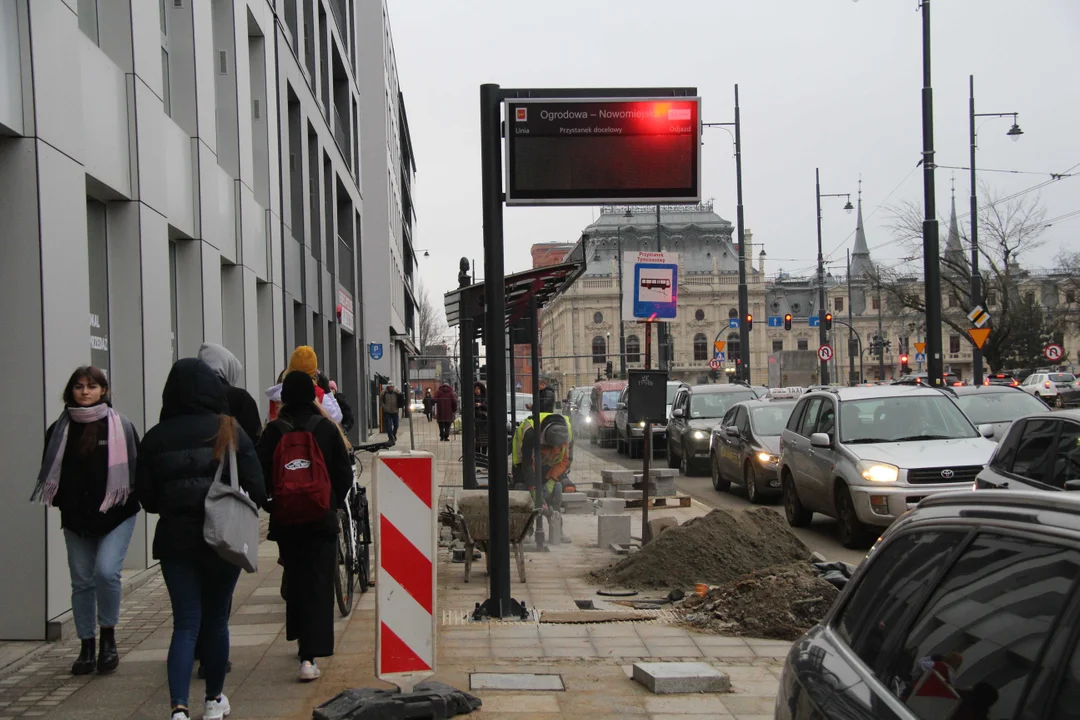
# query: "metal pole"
880 333
647 445
538 468
512 381
931 244
661 328
499 603
824 379
976 279
618 312
744 299
851 323
465 372
407 410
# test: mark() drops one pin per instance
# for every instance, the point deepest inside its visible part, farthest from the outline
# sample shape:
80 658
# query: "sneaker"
179 714
217 709
309 671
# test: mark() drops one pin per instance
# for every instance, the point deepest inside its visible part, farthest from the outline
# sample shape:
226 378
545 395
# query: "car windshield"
998 407
770 421
1062 377
610 399
716 404
584 402
671 390
903 419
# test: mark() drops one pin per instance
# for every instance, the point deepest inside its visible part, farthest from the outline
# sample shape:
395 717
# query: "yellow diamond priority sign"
979 316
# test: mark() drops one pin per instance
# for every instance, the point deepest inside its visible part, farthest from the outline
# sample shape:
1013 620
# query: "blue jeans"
200 589
95 565
392 420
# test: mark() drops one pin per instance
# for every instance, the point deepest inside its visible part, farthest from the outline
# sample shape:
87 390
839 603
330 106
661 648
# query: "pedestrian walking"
239 403
307 469
88 472
177 464
545 399
348 420
391 402
429 405
446 405
306 361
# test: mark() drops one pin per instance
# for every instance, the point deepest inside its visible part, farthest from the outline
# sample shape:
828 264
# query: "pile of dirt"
780 603
714 549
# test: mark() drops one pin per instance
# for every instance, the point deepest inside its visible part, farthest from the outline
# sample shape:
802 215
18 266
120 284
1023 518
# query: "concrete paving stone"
250 640
612 529
629 494
498 632
717 640
517 681
513 653
622 651
150 655
571 652
264 629
515 703
613 630
728 652
743 705
260 619
686 705
599 704
610 505
678 678
655 631
259 609
563 631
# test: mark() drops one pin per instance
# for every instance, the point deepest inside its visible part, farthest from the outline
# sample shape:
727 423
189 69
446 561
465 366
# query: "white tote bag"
231 526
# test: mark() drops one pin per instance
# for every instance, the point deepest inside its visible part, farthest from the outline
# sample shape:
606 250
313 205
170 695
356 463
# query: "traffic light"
828 321
904 364
787 321
610 369
749 323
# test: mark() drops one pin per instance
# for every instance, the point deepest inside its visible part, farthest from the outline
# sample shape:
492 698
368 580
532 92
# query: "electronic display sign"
594 151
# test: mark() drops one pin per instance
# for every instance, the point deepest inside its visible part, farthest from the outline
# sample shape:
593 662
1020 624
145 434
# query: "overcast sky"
833 84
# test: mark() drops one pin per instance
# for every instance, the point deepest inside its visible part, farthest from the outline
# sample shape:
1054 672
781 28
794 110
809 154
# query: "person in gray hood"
239 403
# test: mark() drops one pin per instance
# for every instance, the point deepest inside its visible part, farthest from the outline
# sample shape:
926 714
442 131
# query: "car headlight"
880 472
766 459
641 424
588 420
699 435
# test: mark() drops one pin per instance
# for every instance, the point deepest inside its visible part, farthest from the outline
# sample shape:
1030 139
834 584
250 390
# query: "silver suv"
866 455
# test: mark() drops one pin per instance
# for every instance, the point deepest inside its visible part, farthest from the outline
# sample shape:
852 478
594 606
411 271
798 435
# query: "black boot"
84 665
108 657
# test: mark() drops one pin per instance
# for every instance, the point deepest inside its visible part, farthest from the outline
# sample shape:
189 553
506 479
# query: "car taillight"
1046 383
1015 383
986 381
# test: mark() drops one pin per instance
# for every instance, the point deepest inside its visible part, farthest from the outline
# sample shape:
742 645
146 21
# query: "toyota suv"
866 455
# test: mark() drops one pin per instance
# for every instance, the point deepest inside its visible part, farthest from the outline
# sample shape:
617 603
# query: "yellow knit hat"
304 360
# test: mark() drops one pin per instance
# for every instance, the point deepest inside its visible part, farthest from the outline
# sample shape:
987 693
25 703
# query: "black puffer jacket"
176 460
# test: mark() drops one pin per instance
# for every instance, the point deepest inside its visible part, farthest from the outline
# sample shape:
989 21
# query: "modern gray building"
171 172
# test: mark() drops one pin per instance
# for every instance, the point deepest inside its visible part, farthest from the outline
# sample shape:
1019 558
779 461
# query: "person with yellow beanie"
304 359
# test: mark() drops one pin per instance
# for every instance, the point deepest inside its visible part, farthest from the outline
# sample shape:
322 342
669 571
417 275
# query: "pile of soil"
780 603
714 549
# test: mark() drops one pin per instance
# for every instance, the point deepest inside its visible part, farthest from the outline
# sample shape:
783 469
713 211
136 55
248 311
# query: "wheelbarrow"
473 527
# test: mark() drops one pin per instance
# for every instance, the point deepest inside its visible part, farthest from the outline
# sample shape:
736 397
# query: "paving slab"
681 677
516 681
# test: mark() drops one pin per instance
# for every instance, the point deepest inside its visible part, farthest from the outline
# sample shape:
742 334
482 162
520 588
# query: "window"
777 346
598 317
895 584
633 349
88 19
1032 450
733 313
699 315
875 302
983 628
954 344
175 330
599 350
838 304
701 347
734 348
804 344
810 417
1066 456
166 92
905 418
827 418
1070 296
1029 298
795 420
743 422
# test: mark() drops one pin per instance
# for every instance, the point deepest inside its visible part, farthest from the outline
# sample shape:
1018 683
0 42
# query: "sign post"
406 555
647 400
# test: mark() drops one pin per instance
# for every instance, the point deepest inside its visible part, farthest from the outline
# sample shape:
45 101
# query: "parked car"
603 404
866 455
949 379
964 609
630 438
745 447
517 411
1001 378
995 406
1055 388
694 412
579 414
574 398
1040 452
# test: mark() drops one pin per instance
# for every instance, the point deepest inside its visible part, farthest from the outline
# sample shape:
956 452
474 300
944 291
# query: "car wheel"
718 482
853 531
753 493
684 463
1059 402
672 459
796 514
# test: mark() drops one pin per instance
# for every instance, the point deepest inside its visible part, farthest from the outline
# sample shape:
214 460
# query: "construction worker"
556 455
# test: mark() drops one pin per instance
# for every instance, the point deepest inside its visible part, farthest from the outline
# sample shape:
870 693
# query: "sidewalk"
593 659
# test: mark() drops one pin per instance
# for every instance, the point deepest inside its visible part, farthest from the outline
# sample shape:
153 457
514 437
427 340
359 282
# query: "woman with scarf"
88 472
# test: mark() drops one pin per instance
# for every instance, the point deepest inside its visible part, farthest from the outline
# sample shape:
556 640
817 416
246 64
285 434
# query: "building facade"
389 169
170 173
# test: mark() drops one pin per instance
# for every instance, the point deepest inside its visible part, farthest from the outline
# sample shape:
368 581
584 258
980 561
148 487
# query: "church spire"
955 261
860 255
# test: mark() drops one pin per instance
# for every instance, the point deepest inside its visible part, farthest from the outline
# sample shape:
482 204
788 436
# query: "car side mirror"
987 431
732 431
820 440
677 413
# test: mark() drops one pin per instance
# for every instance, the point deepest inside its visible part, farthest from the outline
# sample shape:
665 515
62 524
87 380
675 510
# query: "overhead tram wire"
873 212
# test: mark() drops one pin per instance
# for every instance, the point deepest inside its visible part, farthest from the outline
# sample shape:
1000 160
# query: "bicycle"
354 537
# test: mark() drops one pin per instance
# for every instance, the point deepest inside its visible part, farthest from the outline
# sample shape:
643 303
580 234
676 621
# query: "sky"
834 84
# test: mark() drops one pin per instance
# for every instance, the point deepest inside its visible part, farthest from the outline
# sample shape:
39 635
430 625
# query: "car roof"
718 388
877 391
610 384
1060 511
984 389
765 402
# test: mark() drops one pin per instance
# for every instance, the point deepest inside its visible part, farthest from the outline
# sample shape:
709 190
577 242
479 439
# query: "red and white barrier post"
406 538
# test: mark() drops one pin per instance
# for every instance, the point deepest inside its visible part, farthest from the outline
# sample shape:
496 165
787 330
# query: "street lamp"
976 280
822 340
744 299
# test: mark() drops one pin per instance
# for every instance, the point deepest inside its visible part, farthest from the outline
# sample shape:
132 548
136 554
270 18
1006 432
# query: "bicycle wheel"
363 545
345 576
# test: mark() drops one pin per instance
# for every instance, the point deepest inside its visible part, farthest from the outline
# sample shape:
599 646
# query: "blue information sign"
733 323
920 357
375 351
814 321
655 290
776 321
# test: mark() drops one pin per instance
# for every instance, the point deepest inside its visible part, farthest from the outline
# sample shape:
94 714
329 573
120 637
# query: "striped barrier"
405 559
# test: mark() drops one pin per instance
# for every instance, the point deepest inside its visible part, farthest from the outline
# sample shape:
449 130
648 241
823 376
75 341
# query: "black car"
1001 378
1040 452
948 379
695 411
967 607
745 448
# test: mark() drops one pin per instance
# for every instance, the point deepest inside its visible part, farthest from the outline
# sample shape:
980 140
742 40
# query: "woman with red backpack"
308 475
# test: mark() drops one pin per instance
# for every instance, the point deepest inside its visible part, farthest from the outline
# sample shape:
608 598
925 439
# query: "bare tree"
1009 228
431 325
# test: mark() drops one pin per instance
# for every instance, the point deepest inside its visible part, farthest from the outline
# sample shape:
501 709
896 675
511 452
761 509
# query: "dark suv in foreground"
968 607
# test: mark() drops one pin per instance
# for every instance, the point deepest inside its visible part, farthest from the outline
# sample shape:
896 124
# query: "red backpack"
301 483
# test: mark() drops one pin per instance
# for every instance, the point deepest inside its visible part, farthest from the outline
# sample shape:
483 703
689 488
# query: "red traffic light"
749 322
903 359
828 321
787 321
